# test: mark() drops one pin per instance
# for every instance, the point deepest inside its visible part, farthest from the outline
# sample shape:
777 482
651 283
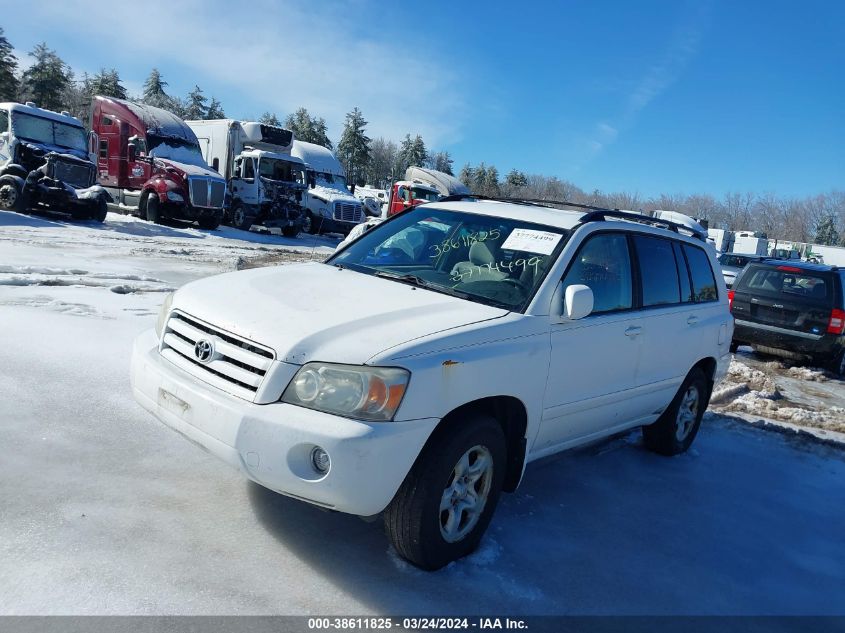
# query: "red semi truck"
150 162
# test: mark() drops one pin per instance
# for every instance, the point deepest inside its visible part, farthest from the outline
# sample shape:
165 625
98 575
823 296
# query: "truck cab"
267 183
44 163
409 193
150 162
330 207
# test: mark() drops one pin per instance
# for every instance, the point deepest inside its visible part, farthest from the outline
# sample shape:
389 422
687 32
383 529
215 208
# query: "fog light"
320 460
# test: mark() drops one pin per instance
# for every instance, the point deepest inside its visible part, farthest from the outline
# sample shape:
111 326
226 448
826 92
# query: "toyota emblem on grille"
203 350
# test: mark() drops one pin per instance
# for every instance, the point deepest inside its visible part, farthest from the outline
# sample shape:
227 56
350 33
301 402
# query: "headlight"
354 391
175 197
163 314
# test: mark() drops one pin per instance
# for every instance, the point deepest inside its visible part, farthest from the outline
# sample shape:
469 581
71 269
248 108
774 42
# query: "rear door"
785 297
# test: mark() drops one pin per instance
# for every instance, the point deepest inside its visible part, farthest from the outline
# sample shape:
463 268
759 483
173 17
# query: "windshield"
490 260
282 170
419 193
49 132
175 150
331 180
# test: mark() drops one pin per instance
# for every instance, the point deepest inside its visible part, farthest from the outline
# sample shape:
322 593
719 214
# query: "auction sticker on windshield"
532 241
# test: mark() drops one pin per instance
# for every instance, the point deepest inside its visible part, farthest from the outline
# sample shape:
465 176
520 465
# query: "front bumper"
271 443
788 343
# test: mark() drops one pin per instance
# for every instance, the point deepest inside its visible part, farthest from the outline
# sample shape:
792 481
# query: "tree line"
52 84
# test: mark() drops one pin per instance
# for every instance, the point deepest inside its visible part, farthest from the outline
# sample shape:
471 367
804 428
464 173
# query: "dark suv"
794 309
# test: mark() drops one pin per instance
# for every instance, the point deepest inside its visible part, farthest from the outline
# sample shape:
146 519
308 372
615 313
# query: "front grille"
236 365
206 192
77 175
348 212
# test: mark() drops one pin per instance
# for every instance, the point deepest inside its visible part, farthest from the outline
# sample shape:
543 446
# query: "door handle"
633 331
692 320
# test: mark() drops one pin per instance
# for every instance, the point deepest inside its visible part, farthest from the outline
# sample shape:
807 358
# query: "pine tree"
419 154
46 80
215 110
516 179
154 93
307 128
8 68
270 118
195 107
467 176
826 233
106 83
440 161
491 182
382 162
354 147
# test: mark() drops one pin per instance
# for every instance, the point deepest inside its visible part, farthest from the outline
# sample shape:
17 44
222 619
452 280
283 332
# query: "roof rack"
596 213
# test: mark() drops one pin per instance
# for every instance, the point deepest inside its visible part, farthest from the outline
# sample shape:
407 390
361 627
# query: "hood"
329 194
191 170
316 311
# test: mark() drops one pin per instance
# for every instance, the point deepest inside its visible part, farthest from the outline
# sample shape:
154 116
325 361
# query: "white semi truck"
267 184
331 208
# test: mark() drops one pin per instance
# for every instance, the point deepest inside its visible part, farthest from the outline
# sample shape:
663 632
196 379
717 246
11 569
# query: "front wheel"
309 225
100 210
675 430
153 209
209 222
12 196
241 218
447 500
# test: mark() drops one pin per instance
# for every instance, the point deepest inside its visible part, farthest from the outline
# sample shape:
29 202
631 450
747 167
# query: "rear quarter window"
703 281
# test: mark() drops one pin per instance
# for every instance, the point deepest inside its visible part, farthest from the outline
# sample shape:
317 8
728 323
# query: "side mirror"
132 153
577 302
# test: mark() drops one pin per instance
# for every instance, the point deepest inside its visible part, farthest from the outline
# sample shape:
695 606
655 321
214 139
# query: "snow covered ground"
105 511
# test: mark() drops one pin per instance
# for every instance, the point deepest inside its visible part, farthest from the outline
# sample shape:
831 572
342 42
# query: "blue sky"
646 97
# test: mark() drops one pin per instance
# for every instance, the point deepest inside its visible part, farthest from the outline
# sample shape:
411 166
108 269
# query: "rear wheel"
153 208
837 365
675 430
12 196
100 210
309 225
447 500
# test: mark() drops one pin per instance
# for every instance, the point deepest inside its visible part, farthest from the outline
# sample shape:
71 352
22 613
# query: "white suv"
420 368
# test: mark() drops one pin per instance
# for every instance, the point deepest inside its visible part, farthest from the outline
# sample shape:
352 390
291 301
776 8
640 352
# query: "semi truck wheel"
309 225
100 210
12 197
153 208
210 222
241 218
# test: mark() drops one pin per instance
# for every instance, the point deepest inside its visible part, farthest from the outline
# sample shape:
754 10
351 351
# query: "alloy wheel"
465 495
687 413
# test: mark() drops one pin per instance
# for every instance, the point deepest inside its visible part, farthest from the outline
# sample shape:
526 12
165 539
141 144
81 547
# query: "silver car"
733 263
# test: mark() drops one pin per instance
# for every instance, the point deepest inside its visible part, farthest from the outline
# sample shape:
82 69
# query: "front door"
594 360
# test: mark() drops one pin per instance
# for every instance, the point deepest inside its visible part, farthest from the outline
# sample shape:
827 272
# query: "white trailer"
267 182
723 240
750 243
832 255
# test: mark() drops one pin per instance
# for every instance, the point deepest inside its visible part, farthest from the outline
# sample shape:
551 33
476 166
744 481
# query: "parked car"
733 263
44 164
419 369
794 309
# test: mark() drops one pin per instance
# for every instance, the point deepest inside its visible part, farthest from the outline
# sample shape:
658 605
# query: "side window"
658 271
4 121
106 120
104 148
248 169
603 264
703 281
683 273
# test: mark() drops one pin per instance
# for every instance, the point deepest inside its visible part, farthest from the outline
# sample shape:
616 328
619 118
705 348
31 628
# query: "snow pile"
752 391
808 373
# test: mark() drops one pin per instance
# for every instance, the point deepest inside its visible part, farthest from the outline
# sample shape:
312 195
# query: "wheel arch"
708 366
511 414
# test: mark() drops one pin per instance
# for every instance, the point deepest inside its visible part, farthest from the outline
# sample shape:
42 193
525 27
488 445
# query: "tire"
153 208
241 218
675 430
308 224
12 195
416 520
100 210
210 222
290 231
837 364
